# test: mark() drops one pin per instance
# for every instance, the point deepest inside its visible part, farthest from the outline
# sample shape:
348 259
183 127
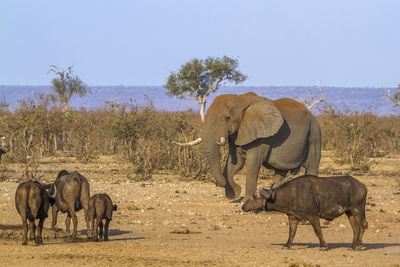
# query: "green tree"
199 78
65 86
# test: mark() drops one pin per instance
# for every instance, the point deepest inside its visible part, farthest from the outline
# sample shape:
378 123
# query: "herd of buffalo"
69 193
281 135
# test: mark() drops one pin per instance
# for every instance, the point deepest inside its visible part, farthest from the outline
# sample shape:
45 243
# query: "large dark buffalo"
31 201
310 198
71 193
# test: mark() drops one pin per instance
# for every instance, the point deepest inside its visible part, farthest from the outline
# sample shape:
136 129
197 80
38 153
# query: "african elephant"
281 135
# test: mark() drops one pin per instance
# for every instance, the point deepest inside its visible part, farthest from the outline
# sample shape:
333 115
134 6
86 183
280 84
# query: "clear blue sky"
337 43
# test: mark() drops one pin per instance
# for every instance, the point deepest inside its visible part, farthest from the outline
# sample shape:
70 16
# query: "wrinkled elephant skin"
281 135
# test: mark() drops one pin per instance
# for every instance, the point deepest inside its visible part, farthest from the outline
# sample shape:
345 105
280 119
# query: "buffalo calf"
310 198
100 208
31 201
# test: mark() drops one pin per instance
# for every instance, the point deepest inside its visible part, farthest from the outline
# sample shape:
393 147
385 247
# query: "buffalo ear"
261 119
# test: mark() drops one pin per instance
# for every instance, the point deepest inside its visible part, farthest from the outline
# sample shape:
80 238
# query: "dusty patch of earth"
168 222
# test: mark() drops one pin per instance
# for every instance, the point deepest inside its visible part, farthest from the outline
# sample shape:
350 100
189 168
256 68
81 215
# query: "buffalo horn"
55 191
267 194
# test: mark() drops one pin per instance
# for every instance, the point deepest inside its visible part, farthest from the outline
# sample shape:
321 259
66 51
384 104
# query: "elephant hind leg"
314 150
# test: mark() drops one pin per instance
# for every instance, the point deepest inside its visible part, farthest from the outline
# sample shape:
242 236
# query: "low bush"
143 137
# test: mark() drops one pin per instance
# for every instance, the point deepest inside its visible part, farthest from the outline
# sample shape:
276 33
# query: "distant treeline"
143 137
341 98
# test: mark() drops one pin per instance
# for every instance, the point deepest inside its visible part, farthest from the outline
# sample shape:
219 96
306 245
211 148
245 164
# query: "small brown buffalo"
100 207
31 201
310 198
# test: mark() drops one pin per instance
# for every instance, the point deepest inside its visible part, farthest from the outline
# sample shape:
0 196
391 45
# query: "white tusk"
192 143
221 141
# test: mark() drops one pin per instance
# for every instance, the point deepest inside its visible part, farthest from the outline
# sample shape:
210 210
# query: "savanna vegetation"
143 137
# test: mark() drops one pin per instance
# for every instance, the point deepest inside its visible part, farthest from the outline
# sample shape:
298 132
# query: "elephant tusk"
192 143
222 141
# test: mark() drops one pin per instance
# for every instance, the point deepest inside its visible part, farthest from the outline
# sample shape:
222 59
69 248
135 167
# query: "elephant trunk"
211 151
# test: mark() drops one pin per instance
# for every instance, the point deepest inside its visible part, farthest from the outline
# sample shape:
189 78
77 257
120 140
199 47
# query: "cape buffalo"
100 207
71 193
31 201
310 198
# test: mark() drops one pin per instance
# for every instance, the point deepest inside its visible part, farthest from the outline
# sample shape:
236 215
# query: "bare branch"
311 101
192 96
389 97
216 86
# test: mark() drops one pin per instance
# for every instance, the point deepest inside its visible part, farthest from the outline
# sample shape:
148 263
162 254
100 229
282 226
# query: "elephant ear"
260 120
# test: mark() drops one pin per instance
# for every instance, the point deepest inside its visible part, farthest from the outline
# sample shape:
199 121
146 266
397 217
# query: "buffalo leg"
101 230
54 213
94 229
317 229
354 226
88 230
106 229
356 222
363 224
68 223
32 230
75 222
25 225
363 227
293 222
39 239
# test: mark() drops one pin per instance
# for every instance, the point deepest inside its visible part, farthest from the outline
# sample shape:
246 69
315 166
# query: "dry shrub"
356 137
4 171
143 137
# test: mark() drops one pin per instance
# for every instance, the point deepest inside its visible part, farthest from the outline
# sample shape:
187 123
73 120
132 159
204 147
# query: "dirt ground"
168 222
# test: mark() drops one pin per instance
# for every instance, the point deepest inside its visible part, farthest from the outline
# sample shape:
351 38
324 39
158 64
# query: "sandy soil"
167 222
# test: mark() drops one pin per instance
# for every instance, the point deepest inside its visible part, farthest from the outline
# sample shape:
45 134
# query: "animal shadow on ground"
114 232
10 227
237 200
15 232
111 232
298 246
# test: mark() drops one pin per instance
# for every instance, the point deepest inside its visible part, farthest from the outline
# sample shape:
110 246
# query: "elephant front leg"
279 177
254 160
234 164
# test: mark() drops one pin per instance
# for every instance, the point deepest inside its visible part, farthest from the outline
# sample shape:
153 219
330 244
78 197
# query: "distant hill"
353 99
